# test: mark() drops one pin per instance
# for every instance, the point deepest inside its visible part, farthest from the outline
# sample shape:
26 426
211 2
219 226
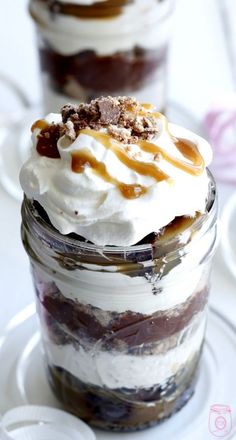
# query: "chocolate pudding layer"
89 74
116 329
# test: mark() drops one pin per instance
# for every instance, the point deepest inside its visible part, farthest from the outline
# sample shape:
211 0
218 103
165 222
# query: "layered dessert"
89 48
119 221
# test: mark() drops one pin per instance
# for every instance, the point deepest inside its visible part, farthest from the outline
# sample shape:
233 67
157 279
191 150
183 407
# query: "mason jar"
122 327
105 47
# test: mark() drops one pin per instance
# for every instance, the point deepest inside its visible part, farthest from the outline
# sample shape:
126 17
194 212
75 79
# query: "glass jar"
109 47
122 328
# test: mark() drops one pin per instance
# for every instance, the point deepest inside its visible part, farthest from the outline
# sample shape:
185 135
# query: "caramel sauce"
189 150
40 124
47 139
105 9
186 147
152 114
147 110
144 168
147 106
132 191
82 159
50 134
177 226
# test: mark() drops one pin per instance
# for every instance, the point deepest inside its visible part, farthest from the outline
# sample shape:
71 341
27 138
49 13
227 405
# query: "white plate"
23 379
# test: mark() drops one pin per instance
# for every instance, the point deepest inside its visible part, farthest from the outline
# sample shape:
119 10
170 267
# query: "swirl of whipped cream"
116 193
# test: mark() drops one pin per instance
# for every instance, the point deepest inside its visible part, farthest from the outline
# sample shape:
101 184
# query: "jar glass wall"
122 328
111 47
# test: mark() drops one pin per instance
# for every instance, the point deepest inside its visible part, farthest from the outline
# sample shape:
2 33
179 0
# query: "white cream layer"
116 292
89 206
145 24
116 370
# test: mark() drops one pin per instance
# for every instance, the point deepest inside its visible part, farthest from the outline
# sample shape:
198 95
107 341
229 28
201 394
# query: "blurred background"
199 70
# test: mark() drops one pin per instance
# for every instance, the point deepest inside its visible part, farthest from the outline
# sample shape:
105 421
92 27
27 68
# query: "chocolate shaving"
123 117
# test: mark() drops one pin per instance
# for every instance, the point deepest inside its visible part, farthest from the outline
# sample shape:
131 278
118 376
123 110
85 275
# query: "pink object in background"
220 126
220 420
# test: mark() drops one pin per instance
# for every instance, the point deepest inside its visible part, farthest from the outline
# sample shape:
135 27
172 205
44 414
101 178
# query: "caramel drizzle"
82 159
187 148
105 9
148 110
144 168
40 124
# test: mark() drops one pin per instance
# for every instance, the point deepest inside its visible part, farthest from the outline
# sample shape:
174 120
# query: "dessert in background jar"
119 222
89 48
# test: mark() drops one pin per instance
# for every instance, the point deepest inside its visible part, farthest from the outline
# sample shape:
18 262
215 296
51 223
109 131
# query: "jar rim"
42 226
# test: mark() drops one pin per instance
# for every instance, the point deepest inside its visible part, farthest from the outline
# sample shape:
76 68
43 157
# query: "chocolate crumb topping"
124 118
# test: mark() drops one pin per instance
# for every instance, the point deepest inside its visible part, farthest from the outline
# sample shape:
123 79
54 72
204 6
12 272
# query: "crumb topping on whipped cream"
114 170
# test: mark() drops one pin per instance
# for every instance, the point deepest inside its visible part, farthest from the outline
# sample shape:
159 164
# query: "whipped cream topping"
115 192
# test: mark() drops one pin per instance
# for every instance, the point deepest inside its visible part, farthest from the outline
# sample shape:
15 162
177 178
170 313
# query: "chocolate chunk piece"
123 117
110 111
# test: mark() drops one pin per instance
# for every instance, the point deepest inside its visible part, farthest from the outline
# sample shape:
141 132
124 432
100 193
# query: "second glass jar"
110 47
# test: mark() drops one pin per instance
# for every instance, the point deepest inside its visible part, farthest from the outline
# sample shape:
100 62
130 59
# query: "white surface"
199 73
23 380
32 422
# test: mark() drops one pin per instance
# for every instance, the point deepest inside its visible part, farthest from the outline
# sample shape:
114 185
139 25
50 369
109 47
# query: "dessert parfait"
119 222
88 48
